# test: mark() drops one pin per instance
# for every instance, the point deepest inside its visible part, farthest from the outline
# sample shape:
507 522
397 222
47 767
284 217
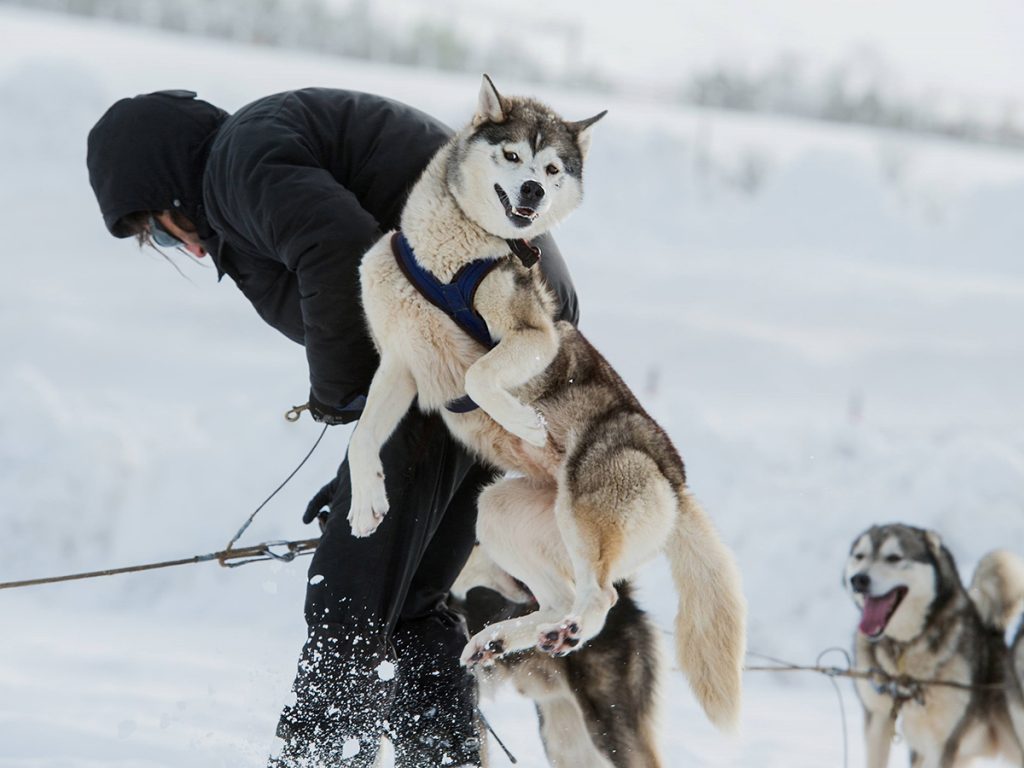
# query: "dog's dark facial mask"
517 170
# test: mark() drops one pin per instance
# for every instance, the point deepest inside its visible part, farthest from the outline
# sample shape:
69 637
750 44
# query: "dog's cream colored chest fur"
438 353
403 322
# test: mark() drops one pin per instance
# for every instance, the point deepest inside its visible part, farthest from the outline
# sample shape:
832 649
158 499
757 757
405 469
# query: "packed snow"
827 320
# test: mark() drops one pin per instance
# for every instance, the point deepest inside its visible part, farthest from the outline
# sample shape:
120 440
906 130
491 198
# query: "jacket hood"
148 153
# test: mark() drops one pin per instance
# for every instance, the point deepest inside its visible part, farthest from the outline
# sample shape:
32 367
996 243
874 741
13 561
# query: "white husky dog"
596 487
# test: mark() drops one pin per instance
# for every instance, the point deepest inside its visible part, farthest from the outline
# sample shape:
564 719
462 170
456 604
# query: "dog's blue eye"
552 169
512 157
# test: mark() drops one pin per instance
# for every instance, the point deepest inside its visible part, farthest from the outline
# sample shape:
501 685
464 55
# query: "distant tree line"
313 26
859 90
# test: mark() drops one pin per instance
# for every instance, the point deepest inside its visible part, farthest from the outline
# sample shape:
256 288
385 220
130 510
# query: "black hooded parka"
286 195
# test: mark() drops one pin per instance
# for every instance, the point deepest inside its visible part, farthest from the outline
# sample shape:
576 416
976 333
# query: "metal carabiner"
285 557
296 411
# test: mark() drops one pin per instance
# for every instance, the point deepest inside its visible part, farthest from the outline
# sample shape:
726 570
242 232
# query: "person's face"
190 239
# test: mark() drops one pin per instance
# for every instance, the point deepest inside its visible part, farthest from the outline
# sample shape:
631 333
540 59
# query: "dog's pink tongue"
876 613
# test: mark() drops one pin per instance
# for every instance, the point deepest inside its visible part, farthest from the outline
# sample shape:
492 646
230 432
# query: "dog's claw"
485 653
525 423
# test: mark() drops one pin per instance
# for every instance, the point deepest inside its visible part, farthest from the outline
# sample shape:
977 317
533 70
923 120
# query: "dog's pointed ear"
582 130
491 107
934 542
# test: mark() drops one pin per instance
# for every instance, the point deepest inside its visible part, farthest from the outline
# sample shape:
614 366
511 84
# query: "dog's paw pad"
560 639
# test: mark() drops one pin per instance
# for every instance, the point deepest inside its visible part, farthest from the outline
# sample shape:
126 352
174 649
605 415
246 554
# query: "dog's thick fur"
598 487
919 620
1016 696
597 707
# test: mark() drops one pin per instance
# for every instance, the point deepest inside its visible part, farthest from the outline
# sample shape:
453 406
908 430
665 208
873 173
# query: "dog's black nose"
530 193
860 582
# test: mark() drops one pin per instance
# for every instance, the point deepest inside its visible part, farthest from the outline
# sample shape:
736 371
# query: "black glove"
325 414
319 506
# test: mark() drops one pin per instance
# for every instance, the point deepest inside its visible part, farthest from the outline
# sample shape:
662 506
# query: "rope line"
252 554
267 550
256 511
839 698
487 725
901 688
873 675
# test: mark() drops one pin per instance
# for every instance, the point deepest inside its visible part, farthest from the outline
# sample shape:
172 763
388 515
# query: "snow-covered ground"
827 321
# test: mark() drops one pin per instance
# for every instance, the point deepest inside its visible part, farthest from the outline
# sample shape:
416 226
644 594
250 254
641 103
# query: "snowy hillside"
826 320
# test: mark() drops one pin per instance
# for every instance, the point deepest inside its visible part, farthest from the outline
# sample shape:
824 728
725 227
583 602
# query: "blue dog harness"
455 299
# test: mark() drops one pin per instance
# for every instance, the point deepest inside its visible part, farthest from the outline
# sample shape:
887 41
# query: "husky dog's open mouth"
878 610
522 216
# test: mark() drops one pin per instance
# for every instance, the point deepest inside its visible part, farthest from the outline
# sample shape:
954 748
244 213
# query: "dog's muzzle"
860 583
530 196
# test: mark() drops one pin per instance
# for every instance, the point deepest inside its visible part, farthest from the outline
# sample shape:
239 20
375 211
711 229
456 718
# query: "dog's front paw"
369 505
527 424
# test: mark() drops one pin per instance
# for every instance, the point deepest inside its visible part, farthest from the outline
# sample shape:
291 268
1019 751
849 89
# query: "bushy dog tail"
711 623
997 589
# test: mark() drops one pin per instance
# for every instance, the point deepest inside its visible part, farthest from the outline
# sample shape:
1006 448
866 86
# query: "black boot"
342 698
434 718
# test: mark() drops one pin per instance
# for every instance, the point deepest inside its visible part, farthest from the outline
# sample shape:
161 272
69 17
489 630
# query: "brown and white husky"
594 487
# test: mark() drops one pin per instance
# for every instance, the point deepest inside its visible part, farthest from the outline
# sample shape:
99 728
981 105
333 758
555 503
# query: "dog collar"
528 253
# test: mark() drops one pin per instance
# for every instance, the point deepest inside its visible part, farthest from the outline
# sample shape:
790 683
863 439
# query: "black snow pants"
382 654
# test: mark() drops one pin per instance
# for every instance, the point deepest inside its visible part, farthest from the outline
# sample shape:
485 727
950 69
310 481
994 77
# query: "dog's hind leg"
516 528
502 637
614 516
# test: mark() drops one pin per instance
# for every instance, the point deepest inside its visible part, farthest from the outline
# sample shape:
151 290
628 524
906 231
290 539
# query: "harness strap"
455 299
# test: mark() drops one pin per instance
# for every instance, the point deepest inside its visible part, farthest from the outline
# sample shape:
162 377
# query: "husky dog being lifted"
597 487
918 620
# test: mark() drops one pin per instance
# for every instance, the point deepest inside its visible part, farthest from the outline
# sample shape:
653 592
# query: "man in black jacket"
285 196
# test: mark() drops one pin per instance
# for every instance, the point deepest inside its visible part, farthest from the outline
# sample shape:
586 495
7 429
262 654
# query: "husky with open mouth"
917 620
594 487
